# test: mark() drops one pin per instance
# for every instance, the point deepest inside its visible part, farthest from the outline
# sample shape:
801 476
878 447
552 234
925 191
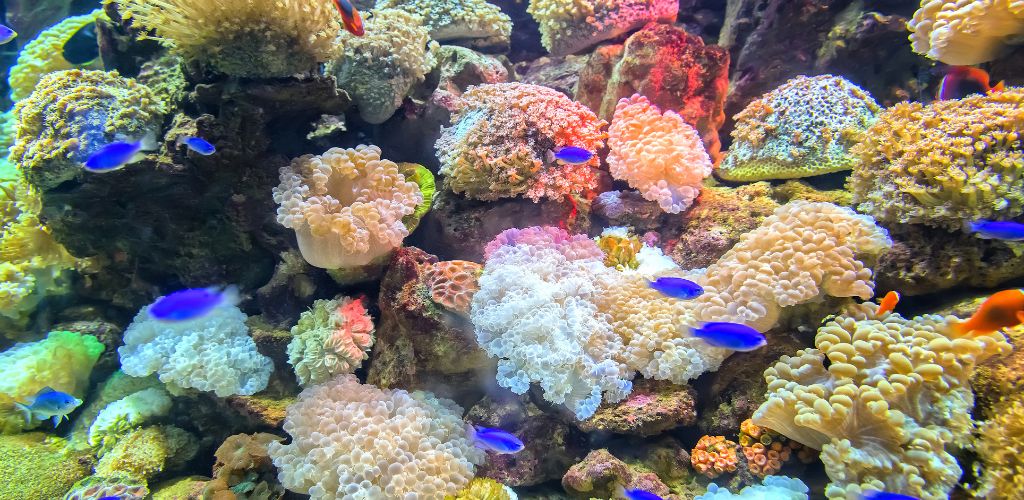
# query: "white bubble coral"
569 26
891 405
332 337
352 440
130 412
965 32
658 154
346 205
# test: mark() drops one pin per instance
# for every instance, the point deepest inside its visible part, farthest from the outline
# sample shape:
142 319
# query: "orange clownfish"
962 81
350 17
1002 310
888 303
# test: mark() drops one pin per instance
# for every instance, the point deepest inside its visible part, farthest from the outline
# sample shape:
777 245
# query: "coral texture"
999 442
244 465
803 128
351 439
771 488
501 136
472 22
97 488
569 26
44 54
346 205
767 451
247 38
23 456
62 361
146 452
130 412
657 154
891 406
452 283
333 337
714 456
484 489
943 163
963 32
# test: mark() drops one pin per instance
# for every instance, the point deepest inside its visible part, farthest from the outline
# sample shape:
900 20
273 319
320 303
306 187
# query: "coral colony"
494 249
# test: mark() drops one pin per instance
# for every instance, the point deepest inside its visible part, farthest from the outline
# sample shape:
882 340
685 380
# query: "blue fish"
49 403
638 494
997 230
572 154
197 145
114 156
730 336
7 34
678 288
881 495
192 303
111 498
495 440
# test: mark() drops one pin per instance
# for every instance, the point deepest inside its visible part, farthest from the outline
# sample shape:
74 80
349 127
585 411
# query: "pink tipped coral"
658 154
714 456
572 247
333 337
452 283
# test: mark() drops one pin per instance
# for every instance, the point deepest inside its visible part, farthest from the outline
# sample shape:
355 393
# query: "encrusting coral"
146 452
96 488
475 23
346 205
658 154
44 54
767 451
333 337
355 439
964 32
569 26
379 69
944 163
501 138
247 38
452 283
891 406
714 456
130 412
803 128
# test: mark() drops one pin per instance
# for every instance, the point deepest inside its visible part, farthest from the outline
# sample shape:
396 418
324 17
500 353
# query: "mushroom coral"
965 32
346 205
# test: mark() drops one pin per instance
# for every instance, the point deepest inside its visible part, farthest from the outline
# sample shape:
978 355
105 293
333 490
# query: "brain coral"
473 22
964 32
71 114
332 337
887 408
501 135
247 38
209 353
351 440
657 154
569 26
44 54
346 205
380 68
944 163
803 128
452 283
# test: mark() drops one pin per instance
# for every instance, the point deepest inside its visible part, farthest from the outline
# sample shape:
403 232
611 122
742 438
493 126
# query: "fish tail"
999 87
231 295
26 411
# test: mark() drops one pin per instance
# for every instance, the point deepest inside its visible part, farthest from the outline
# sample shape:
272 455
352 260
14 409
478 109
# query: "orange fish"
350 17
962 81
888 303
1002 310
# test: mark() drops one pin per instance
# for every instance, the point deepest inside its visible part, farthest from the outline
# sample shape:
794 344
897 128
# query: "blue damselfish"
495 440
192 303
573 155
881 495
7 34
678 288
197 145
638 494
997 230
49 403
113 156
730 336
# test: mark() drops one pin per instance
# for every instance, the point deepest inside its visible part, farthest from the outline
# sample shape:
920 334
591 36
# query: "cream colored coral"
346 206
658 154
249 38
458 20
333 337
891 405
352 440
964 32
43 54
569 26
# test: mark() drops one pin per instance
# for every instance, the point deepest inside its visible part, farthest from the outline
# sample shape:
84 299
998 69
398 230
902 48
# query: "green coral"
44 54
474 22
63 361
36 466
73 113
423 178
144 453
805 127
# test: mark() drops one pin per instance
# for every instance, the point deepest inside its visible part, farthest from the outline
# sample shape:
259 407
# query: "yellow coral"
248 38
569 26
482 488
458 20
43 55
944 163
346 205
620 251
891 405
658 154
1000 444
964 32
714 455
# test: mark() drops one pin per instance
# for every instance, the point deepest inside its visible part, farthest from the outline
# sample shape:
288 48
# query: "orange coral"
452 283
767 451
714 455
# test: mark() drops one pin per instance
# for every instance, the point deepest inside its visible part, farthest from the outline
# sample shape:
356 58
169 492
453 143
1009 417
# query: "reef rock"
600 473
654 406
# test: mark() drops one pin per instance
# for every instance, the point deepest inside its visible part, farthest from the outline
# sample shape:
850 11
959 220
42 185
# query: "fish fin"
999 87
180 140
45 390
25 410
550 156
56 420
230 295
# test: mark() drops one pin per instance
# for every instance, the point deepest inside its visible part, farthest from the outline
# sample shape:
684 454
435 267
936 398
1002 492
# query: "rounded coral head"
346 205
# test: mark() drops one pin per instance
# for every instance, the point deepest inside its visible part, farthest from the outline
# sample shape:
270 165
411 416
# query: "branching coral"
714 456
964 32
346 206
44 54
380 68
805 127
248 38
71 114
658 154
333 337
472 22
569 26
944 163
501 137
452 283
355 440
890 406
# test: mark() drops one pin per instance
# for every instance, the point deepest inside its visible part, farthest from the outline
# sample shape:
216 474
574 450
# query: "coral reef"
247 38
96 488
473 23
333 337
600 474
567 27
997 443
37 465
484 489
244 468
943 163
767 451
452 283
771 488
803 128
119 417
44 54
657 154
650 409
144 453
714 456
358 439
500 138
962 32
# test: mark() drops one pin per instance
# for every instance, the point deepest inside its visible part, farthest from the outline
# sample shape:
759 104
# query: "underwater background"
498 249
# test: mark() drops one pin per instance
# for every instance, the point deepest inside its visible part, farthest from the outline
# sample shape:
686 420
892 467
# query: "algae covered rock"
653 407
37 466
144 453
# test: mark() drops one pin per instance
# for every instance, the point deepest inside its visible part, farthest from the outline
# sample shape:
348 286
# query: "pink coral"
333 337
573 247
353 334
452 283
658 154
714 455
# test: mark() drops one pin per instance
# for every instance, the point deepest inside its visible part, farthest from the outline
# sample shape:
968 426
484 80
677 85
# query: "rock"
180 488
290 290
628 208
243 465
653 407
559 73
600 473
108 334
